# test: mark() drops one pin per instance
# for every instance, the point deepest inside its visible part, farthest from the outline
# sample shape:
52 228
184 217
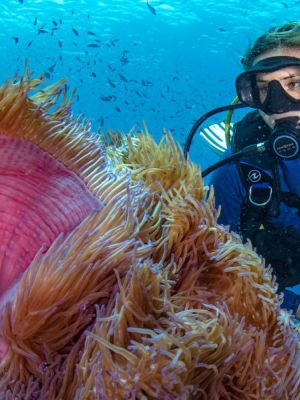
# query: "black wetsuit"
274 228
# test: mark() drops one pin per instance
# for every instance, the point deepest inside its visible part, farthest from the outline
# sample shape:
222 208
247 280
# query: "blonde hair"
286 35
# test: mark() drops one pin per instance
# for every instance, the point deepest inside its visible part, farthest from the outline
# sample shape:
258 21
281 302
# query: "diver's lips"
39 199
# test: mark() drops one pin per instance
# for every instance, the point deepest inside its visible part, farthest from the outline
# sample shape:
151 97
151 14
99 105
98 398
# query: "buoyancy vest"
259 175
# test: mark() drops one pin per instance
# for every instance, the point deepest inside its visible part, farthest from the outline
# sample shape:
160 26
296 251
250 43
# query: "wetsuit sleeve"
229 194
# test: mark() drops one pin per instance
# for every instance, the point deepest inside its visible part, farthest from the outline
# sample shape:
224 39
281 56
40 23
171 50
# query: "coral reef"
148 297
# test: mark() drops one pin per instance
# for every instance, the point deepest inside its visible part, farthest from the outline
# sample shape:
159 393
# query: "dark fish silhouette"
221 29
51 68
54 23
151 8
75 31
29 44
124 59
107 98
16 39
91 33
123 78
117 108
60 43
93 45
21 1
35 21
111 83
41 30
94 75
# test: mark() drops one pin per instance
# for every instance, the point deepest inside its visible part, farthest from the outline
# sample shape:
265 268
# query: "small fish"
97 40
60 58
111 83
117 108
47 75
221 29
21 1
123 78
93 45
16 39
29 43
108 98
52 67
151 8
41 30
145 83
54 23
94 75
124 59
75 31
91 33
35 21
60 43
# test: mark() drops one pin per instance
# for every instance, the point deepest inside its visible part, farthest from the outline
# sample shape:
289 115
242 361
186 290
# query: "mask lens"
289 79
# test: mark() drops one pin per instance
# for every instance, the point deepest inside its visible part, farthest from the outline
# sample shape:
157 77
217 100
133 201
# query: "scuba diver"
257 184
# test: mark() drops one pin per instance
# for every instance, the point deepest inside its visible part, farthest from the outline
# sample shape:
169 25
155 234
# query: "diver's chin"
271 119
276 117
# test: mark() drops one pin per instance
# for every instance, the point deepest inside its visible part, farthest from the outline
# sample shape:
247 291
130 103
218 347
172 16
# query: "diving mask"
272 97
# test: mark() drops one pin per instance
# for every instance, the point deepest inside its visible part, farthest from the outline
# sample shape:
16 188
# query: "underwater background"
162 62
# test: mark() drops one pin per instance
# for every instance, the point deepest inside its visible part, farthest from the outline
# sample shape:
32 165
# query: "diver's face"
289 78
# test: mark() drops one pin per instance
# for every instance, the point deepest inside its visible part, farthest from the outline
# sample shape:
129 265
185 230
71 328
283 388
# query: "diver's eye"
294 85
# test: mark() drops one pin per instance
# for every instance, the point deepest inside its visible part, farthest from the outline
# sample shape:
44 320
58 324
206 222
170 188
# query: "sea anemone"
142 295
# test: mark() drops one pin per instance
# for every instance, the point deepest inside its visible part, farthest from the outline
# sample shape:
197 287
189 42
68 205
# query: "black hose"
200 121
251 149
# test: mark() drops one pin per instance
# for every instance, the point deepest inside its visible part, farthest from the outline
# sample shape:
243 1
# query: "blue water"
165 64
